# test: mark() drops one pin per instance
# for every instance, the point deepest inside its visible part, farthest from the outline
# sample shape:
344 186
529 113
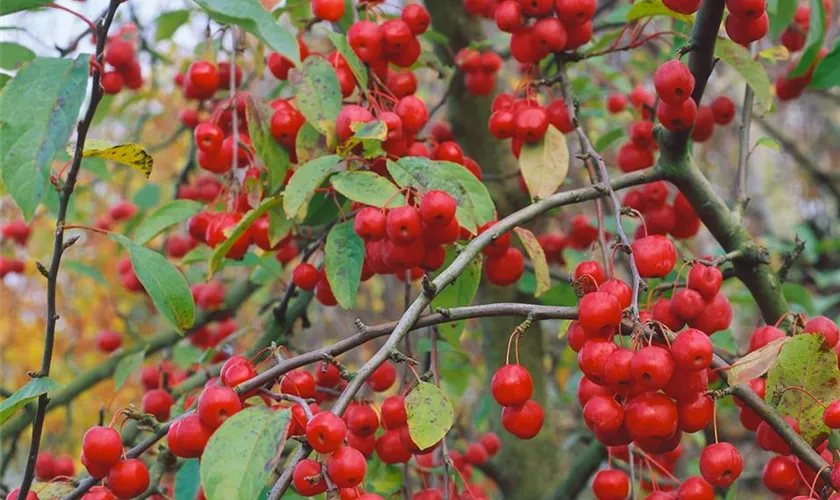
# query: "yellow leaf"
777 53
537 255
128 154
756 363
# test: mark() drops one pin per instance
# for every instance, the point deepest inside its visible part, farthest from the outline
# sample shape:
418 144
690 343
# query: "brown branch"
96 94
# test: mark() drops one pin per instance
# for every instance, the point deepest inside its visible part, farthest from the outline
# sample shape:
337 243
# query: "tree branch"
96 94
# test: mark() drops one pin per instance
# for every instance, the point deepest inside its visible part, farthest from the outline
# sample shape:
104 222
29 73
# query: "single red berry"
575 12
102 445
745 31
683 6
393 412
108 341
305 276
328 10
611 485
325 432
673 81
677 117
550 34
599 314
45 466
781 476
747 9
389 448
417 18
187 437
695 488
523 421
112 82
591 269
15 493
592 358
366 40
603 414
299 383
383 377
476 454
763 335
704 125
723 110
824 327
413 113
403 225
618 289
530 124
655 256
721 464
692 350
236 370
506 269
705 279
201 81
617 373
159 403
307 478
687 304
652 367
128 478
216 404
616 103
512 385
695 414
370 224
347 467
491 443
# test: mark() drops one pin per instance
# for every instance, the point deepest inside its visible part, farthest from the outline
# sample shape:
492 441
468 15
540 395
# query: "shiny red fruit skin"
325 432
611 485
216 404
721 464
304 470
512 385
393 412
523 421
383 377
347 467
128 478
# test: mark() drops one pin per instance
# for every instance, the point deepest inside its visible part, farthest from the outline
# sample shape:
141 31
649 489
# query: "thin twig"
789 259
58 244
741 190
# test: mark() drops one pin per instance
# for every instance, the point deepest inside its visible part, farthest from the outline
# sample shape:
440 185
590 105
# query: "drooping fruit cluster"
674 84
122 68
525 121
102 452
480 69
747 21
660 217
539 27
512 387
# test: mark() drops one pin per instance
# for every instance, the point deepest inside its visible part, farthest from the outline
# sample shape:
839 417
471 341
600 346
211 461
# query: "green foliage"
430 414
460 293
13 56
317 93
302 185
270 153
650 8
166 215
243 225
10 6
253 18
751 70
475 207
74 266
187 480
827 72
128 365
344 254
353 61
164 283
38 111
242 453
544 165
781 14
25 395
814 40
807 363
169 22
368 188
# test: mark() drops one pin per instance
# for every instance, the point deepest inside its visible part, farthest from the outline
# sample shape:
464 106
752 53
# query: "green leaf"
318 93
254 19
307 144
147 196
814 40
650 8
38 111
97 167
344 254
169 22
544 165
243 453
187 480
85 270
302 185
166 215
185 354
9 6
376 129
273 155
349 16
827 72
756 363
4 79
13 56
353 61
164 283
751 70
430 414
128 365
197 254
369 188
220 251
608 139
537 255
781 14
460 293
807 363
278 225
25 395
768 142
475 207
799 295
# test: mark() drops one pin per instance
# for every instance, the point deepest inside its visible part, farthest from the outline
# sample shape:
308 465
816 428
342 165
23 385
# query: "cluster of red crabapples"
526 121
123 70
479 69
539 27
659 216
